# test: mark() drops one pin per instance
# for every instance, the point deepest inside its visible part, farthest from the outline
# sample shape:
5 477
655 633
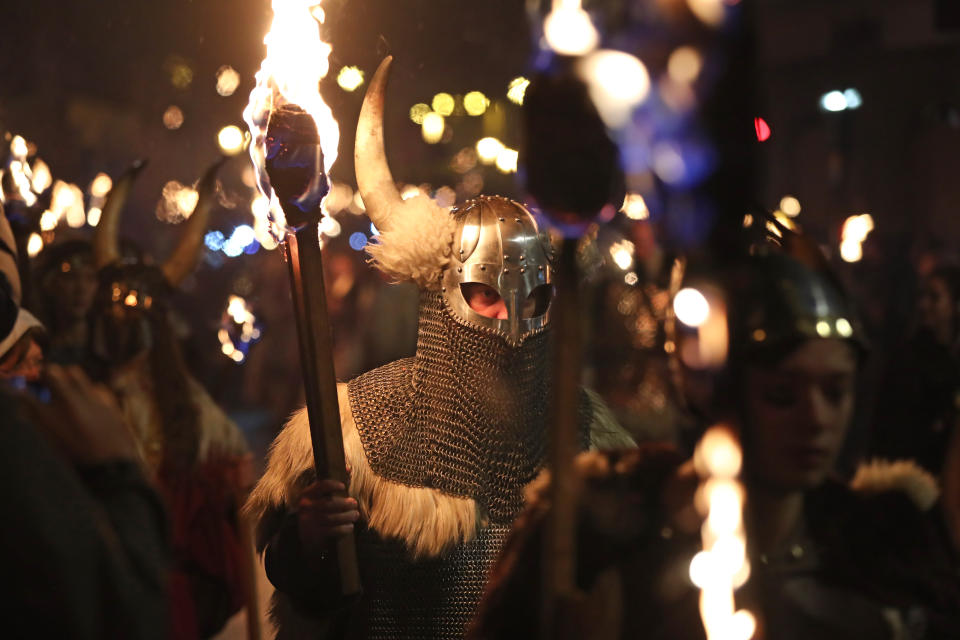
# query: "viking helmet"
490 240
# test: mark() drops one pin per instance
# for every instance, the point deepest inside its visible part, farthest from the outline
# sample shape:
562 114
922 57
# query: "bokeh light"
517 89
350 78
443 103
173 117
691 307
230 139
34 244
488 149
432 127
635 207
568 29
227 80
418 112
100 185
684 65
475 103
507 160
790 206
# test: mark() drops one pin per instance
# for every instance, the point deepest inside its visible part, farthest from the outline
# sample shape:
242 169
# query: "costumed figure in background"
66 281
828 559
195 453
439 445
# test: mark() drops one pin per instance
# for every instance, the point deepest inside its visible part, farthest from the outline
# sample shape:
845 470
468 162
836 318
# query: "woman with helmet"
828 559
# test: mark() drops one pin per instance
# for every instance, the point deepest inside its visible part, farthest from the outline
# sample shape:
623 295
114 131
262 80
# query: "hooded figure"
196 454
440 445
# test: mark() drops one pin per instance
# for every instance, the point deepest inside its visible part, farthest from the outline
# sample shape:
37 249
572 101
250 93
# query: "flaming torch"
294 144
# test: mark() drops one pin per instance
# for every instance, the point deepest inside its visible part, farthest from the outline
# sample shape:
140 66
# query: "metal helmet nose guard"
498 244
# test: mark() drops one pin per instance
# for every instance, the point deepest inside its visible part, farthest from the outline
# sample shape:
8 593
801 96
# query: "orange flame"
296 61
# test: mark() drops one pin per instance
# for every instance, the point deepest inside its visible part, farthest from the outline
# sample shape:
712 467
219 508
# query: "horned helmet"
490 240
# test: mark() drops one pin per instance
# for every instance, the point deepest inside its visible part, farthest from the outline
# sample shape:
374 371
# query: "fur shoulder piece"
427 521
418 245
605 431
905 476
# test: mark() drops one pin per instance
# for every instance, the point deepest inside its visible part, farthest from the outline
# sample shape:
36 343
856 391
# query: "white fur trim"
905 476
429 522
417 247
25 321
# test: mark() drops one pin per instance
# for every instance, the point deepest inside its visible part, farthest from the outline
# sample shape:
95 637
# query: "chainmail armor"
434 598
466 415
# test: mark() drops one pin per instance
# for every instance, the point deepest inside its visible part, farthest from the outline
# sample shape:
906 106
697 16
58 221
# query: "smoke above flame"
297 60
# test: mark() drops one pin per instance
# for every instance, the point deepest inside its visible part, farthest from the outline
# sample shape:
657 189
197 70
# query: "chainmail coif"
466 415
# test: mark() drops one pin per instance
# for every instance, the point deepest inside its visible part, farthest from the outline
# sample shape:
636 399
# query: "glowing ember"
296 61
722 566
227 80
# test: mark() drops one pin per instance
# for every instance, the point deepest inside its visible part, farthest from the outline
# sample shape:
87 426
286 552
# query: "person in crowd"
827 559
439 445
66 281
87 535
192 450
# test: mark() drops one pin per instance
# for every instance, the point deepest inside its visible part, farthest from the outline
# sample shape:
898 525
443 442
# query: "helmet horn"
184 258
376 185
106 244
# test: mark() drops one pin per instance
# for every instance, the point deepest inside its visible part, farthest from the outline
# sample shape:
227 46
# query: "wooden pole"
305 264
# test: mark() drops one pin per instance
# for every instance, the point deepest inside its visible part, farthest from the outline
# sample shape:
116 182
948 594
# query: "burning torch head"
498 244
294 163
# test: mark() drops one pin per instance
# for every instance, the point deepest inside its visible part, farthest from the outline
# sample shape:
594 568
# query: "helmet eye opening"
538 302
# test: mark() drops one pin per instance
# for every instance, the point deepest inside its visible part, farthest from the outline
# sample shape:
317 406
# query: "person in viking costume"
828 558
196 455
439 445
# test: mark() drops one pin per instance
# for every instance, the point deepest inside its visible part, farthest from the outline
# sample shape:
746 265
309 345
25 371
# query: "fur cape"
429 522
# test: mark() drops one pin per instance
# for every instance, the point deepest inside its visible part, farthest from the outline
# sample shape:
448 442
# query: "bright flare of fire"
722 566
296 61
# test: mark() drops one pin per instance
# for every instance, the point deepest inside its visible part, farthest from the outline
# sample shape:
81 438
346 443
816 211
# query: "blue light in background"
358 240
214 240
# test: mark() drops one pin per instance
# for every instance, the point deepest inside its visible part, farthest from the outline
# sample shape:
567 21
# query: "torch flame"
296 61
